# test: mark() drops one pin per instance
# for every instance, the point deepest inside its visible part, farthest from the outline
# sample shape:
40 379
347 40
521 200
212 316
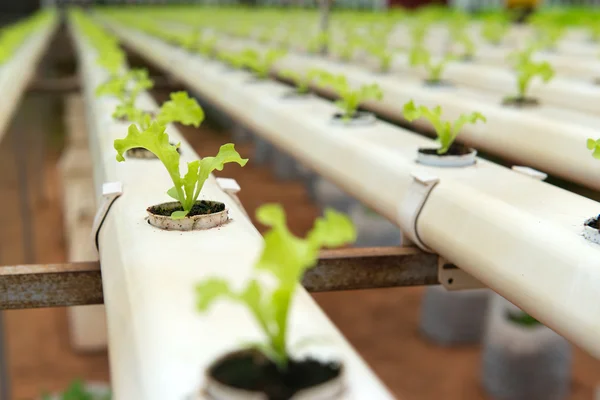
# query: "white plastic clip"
231 187
110 192
530 172
228 185
412 204
454 278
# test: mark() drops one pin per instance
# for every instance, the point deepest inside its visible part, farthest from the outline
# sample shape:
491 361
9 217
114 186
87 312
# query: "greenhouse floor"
381 324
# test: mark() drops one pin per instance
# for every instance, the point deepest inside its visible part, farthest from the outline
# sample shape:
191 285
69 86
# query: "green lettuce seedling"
285 257
186 188
301 80
77 391
317 42
420 56
346 50
180 108
260 63
462 38
349 97
526 70
445 130
115 86
384 55
549 34
595 146
494 30
207 47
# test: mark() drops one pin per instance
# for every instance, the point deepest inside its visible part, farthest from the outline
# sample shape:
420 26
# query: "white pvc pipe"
159 345
16 73
519 236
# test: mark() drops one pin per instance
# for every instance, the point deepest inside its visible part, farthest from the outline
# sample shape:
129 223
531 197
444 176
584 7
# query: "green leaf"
211 290
174 194
155 140
332 230
181 108
179 214
591 144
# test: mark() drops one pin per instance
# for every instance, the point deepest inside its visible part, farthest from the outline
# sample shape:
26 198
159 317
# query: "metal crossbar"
80 283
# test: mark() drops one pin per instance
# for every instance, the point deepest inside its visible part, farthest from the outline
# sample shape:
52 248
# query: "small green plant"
317 42
384 55
526 70
549 34
77 391
346 50
494 30
420 57
207 46
446 131
186 188
260 63
595 146
462 38
301 80
349 97
285 257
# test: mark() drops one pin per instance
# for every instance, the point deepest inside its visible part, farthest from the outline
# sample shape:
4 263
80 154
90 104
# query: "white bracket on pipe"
228 185
454 278
110 192
530 172
412 204
231 187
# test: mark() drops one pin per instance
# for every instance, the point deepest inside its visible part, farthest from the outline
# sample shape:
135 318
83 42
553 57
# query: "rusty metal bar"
51 285
370 268
80 283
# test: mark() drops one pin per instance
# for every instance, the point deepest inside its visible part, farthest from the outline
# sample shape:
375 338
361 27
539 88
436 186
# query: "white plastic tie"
110 192
413 203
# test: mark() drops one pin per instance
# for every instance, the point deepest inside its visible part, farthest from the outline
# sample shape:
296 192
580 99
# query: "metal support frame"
80 283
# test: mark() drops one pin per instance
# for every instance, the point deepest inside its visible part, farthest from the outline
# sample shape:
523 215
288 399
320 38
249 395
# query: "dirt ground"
381 324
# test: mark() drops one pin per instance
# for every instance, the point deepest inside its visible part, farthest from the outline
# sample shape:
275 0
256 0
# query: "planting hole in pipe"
249 374
205 214
520 102
438 83
591 229
359 118
456 156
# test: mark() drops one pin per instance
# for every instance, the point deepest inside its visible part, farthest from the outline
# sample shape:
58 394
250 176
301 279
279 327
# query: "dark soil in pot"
201 207
456 149
438 83
594 223
294 94
250 370
124 119
520 102
141 153
356 116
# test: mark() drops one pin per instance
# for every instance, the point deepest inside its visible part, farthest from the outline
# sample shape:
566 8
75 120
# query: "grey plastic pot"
435 160
332 390
523 363
285 166
329 195
373 229
193 223
453 317
263 151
